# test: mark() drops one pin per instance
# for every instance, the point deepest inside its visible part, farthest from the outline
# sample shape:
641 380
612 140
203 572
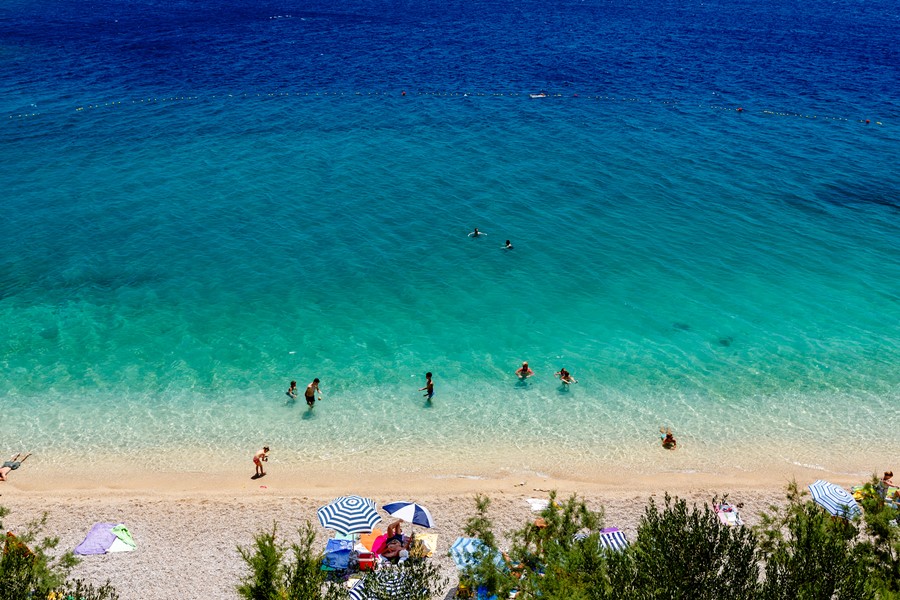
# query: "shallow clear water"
192 220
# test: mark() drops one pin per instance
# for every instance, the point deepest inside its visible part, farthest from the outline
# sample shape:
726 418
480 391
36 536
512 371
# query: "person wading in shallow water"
311 391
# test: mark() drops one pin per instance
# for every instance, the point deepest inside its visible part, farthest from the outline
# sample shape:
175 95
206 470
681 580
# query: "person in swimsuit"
292 391
476 233
311 391
668 440
429 386
12 464
524 372
566 377
888 478
397 545
508 245
259 458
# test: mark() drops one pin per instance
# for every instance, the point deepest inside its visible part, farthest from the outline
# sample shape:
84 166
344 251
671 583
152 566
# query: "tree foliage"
274 576
28 569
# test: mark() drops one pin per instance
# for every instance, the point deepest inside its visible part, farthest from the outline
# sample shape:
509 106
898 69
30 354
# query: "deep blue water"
203 201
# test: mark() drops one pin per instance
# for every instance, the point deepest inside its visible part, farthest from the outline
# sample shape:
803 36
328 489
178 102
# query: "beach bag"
337 553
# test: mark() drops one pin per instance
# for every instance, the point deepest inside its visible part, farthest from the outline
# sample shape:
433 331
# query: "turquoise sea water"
171 262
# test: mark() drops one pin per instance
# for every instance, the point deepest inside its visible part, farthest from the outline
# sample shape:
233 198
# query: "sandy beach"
187 525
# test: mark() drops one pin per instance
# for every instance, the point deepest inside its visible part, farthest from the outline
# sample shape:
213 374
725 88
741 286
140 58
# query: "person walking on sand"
311 390
259 458
292 391
429 387
524 372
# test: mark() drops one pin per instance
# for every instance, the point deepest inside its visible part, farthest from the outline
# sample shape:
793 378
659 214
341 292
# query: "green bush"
28 571
688 553
413 579
272 577
809 554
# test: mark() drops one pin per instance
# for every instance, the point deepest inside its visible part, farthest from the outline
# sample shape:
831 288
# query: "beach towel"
104 538
537 504
337 553
728 514
423 544
368 539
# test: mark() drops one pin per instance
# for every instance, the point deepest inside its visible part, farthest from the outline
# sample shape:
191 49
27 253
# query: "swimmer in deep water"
508 245
476 233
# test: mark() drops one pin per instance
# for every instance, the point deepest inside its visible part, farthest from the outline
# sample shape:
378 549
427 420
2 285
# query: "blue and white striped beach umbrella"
834 499
349 514
466 552
410 512
613 539
388 583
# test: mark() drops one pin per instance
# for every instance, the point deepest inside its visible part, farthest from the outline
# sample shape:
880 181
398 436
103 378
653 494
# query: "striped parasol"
467 552
382 584
834 499
349 514
612 538
410 512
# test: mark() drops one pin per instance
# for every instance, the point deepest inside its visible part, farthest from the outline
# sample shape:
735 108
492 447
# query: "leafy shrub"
272 577
28 571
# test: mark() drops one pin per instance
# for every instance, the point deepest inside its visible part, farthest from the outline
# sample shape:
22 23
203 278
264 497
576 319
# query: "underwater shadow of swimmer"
428 404
309 414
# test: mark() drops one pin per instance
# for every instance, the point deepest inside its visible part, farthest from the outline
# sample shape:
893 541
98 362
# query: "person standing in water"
429 386
292 391
524 372
311 391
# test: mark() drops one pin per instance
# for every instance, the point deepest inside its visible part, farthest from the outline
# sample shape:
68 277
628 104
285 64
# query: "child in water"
668 440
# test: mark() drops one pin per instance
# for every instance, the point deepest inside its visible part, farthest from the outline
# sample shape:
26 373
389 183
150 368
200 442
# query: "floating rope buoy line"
530 96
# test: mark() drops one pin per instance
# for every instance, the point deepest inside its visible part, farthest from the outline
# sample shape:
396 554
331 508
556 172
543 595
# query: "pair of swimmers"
476 233
310 394
524 372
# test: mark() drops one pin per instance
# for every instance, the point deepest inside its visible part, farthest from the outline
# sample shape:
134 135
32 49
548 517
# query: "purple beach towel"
98 540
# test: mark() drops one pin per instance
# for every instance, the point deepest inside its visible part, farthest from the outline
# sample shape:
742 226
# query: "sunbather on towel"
12 464
396 543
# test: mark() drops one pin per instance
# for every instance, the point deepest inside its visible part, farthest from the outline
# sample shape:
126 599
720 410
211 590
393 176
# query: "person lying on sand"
397 544
12 464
